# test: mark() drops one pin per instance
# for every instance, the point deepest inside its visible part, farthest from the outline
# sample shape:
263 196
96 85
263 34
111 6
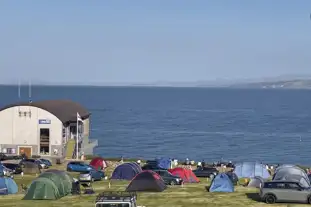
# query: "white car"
7 172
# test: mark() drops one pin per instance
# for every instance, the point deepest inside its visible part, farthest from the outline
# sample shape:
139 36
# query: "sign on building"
44 121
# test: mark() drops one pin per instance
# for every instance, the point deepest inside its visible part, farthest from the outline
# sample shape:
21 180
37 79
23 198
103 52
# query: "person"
82 156
138 162
187 162
199 165
203 163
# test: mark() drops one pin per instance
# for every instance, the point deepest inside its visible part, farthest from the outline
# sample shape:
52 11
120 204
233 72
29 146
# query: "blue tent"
126 171
163 163
222 183
251 169
7 186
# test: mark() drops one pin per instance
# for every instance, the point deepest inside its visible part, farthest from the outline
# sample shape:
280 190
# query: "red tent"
186 174
98 163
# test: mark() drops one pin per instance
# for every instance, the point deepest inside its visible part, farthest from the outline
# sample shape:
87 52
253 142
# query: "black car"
224 163
168 178
206 172
150 167
38 162
16 168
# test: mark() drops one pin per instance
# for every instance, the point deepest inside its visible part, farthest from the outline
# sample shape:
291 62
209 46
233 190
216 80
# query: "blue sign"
44 121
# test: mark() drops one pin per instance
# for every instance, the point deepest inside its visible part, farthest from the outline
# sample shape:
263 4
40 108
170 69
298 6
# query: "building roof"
64 110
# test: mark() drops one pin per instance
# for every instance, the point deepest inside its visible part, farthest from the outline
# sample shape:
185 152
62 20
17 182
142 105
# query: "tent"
42 188
126 171
159 163
1 170
163 163
186 174
57 180
292 173
222 183
66 178
31 168
251 169
7 186
256 182
233 177
147 181
98 163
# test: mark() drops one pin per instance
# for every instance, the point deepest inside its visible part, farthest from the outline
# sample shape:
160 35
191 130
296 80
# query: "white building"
44 128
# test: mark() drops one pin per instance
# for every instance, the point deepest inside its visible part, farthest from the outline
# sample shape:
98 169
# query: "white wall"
21 130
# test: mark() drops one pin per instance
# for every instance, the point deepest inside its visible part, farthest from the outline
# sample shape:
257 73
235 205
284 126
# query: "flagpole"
77 137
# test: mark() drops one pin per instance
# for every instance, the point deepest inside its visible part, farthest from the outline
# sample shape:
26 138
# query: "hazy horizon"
100 42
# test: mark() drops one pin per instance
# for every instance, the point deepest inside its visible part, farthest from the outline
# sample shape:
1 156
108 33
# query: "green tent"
42 188
66 179
57 180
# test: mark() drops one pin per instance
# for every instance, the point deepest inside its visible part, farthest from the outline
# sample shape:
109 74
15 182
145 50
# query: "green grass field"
175 196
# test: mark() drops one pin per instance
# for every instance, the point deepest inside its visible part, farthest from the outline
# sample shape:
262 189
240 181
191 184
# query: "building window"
10 151
44 141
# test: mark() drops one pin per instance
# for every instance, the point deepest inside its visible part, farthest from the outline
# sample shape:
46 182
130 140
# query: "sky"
139 41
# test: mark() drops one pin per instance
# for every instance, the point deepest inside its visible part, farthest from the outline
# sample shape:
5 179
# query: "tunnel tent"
66 178
126 171
251 169
58 181
292 174
42 188
136 166
31 168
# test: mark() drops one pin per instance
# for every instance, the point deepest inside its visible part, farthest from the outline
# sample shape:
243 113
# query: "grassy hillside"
176 196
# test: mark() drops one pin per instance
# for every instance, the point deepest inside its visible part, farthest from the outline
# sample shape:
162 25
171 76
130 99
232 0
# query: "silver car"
284 191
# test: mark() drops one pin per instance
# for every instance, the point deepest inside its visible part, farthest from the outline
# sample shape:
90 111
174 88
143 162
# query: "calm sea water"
240 125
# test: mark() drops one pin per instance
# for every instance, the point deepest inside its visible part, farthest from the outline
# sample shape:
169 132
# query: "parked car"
224 163
116 198
6 171
91 176
2 156
284 191
46 162
206 172
78 166
16 168
38 162
150 167
168 178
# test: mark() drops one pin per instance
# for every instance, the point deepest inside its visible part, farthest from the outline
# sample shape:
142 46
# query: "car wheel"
270 199
309 200
172 183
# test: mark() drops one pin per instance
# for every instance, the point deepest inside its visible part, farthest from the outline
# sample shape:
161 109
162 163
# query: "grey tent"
31 168
292 173
256 182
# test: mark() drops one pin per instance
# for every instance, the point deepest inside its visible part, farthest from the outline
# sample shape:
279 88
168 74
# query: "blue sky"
145 41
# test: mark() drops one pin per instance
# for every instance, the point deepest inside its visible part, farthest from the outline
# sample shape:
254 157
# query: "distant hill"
286 84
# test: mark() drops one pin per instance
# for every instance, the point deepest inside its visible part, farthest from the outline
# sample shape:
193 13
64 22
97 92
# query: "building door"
25 150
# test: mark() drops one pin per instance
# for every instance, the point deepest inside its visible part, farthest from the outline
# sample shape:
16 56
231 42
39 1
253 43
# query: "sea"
263 125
